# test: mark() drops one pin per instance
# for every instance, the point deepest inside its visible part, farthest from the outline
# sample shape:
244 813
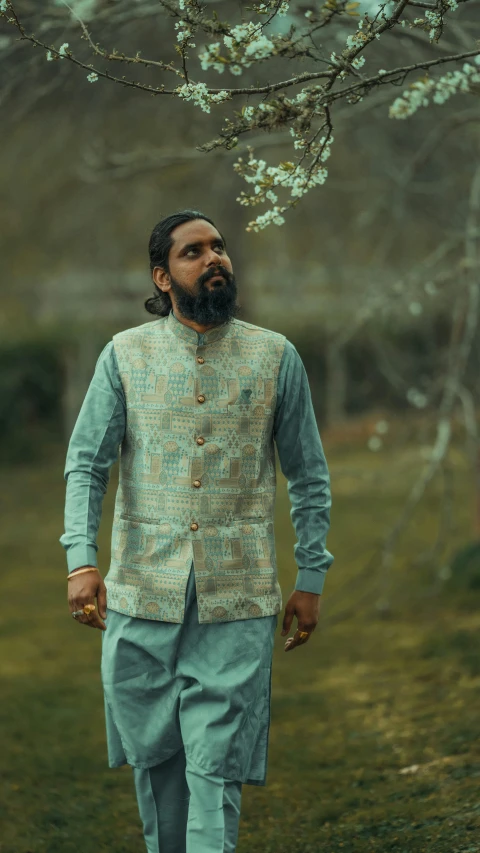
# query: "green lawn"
370 694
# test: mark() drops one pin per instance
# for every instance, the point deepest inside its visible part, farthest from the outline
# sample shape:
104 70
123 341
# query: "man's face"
200 280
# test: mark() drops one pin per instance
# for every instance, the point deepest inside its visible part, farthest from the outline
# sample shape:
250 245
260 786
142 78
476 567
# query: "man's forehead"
198 231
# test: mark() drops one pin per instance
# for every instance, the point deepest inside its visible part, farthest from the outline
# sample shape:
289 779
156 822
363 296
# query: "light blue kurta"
202 686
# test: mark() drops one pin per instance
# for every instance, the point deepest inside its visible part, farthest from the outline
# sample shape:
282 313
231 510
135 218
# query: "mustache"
214 273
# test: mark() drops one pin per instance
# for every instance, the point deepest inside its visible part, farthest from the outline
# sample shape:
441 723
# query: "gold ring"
89 608
303 634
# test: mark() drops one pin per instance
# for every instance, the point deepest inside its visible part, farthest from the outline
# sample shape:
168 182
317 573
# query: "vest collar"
191 336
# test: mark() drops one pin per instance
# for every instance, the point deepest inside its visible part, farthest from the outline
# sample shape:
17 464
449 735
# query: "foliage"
30 402
302 103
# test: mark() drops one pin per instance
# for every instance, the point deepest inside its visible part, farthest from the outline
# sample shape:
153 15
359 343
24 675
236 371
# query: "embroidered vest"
197 477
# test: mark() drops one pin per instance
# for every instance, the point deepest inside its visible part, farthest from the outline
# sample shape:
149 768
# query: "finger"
93 620
102 600
287 621
296 640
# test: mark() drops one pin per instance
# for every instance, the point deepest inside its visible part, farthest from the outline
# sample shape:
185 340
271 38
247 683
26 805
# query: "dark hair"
159 247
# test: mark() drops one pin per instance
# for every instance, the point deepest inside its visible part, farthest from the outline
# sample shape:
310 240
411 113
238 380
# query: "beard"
207 306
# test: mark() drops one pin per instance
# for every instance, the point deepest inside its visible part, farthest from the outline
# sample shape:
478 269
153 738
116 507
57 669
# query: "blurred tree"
377 274
282 37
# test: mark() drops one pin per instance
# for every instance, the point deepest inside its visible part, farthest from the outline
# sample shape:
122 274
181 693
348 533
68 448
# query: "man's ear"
161 278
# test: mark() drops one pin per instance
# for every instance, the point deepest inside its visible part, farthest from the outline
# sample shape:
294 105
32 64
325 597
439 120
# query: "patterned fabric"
197 472
101 429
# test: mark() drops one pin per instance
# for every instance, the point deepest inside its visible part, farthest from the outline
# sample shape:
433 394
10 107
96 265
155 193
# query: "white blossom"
265 8
93 77
439 90
295 178
63 49
198 93
3 5
236 69
260 47
49 56
355 40
271 216
184 31
241 33
358 61
210 58
271 196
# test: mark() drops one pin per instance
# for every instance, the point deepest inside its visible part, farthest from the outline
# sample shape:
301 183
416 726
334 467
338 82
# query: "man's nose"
214 259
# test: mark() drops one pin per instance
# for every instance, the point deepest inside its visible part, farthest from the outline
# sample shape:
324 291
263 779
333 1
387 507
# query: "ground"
375 721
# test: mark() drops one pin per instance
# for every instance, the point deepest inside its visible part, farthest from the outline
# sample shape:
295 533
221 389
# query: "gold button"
200 359
200 440
201 398
197 484
194 525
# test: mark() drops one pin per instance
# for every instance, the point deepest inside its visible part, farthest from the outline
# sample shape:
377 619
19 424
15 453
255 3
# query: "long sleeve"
303 463
92 450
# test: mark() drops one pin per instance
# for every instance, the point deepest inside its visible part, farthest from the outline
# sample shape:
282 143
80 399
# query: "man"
195 401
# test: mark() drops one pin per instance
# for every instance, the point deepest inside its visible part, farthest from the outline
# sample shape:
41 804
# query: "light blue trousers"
185 809
188 706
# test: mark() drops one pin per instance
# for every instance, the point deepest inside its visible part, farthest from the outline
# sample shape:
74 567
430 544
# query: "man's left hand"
306 607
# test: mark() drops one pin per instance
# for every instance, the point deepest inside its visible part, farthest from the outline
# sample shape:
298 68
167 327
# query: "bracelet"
80 571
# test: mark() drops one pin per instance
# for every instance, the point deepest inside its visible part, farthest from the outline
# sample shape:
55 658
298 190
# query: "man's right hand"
83 590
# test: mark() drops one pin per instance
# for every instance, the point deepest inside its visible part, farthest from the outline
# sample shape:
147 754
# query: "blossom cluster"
267 8
62 52
184 33
294 177
273 217
435 21
199 94
245 44
440 90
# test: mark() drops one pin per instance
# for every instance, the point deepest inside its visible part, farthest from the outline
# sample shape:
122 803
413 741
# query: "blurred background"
375 279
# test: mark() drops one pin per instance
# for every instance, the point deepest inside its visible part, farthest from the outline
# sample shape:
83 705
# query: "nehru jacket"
194 418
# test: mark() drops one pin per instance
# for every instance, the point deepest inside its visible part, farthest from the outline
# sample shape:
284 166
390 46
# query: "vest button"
197 484
200 359
201 398
194 525
200 440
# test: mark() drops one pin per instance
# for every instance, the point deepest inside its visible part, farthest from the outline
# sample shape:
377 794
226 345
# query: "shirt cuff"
81 555
310 581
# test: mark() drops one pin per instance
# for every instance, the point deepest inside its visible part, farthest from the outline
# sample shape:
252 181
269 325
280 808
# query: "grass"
375 722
